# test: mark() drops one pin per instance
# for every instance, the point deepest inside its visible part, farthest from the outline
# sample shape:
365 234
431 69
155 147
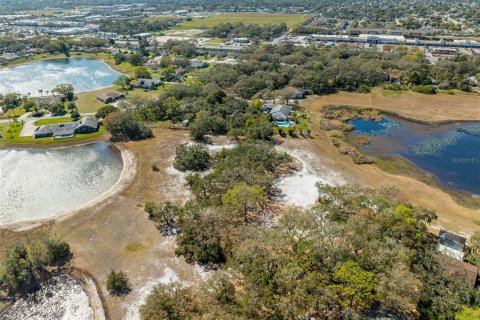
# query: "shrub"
123 126
156 166
425 89
142 73
260 131
117 283
102 112
58 110
364 88
75 115
192 158
200 127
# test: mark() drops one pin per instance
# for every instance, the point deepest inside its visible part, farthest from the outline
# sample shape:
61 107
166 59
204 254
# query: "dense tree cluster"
25 265
136 25
49 45
357 252
230 30
192 158
326 70
124 126
209 110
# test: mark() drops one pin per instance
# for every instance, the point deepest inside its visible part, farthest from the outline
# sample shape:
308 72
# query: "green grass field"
246 17
42 122
11 133
12 113
394 93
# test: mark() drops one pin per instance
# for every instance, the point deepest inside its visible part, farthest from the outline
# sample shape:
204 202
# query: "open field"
417 106
246 17
11 136
87 101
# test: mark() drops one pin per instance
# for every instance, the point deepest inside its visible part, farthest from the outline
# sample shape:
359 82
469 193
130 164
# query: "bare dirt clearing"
416 106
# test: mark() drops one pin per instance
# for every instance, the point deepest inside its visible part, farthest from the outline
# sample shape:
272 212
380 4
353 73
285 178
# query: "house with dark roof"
109 97
196 64
148 83
66 129
179 72
279 112
451 245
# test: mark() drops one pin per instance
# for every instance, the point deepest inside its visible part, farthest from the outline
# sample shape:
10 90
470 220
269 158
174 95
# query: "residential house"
451 244
293 93
279 112
148 83
196 64
109 97
179 72
66 129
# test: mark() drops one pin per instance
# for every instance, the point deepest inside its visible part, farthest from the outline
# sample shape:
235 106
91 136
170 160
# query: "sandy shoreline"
126 175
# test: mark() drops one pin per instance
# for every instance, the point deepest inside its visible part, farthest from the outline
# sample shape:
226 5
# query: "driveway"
29 126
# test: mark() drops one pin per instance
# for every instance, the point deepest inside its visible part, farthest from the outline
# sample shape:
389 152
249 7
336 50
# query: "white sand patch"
215 148
133 310
202 272
62 297
300 188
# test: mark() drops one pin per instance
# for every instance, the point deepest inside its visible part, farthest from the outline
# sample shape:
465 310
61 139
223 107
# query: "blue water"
450 152
42 183
83 73
374 128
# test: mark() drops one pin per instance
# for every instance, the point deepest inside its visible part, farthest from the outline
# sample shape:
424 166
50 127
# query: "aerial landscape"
250 159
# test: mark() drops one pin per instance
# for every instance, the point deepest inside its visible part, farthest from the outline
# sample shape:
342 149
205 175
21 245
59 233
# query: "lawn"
10 135
43 122
87 101
12 113
246 17
394 93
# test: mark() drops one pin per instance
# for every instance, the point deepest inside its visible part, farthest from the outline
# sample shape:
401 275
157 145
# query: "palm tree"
40 91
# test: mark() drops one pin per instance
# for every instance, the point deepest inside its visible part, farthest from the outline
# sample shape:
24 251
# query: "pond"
62 297
451 152
83 73
38 184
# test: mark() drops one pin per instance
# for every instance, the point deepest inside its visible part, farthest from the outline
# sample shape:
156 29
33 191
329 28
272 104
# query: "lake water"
83 73
37 184
451 152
